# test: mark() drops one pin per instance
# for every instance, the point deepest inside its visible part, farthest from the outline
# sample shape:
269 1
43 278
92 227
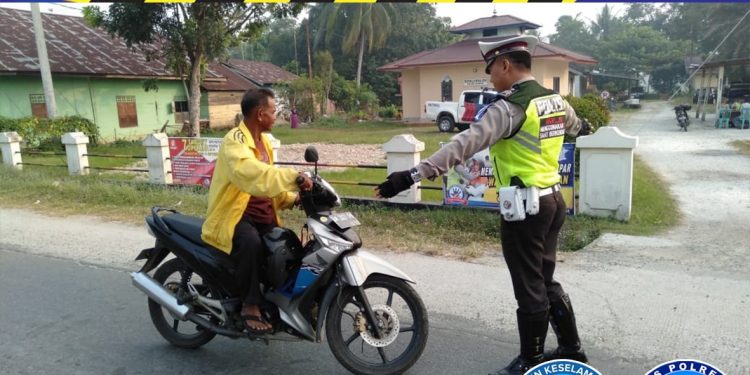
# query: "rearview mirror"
311 154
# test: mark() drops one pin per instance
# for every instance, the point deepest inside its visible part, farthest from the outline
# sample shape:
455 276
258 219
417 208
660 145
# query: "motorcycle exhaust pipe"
154 290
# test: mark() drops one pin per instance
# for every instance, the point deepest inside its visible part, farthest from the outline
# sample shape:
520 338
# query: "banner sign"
567 176
193 159
472 183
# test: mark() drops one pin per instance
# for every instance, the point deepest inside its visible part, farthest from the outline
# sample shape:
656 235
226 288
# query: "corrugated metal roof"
467 51
261 73
233 82
73 48
494 21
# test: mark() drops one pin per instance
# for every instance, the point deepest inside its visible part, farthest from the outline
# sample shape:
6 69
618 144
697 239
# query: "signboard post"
193 160
472 183
568 176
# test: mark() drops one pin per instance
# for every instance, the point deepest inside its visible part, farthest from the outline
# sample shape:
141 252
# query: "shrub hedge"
44 134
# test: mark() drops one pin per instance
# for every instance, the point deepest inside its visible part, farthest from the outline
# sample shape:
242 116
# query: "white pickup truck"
450 115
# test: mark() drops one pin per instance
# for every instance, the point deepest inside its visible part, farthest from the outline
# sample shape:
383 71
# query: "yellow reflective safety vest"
530 156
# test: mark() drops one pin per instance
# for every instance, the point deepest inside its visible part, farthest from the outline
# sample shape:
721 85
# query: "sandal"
256 331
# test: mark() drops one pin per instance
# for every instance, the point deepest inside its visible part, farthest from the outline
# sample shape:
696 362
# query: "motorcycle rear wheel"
401 311
173 274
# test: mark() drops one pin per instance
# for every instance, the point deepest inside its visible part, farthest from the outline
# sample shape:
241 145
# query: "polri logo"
563 367
685 367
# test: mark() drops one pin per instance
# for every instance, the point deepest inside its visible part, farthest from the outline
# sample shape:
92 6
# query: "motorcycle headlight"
335 243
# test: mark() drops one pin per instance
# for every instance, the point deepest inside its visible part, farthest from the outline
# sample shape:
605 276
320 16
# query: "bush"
368 101
390 111
305 94
45 133
592 108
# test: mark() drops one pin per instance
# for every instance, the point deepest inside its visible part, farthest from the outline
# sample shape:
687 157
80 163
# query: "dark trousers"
248 254
530 250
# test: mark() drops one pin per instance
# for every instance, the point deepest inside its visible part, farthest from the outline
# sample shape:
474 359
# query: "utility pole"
309 58
41 48
296 60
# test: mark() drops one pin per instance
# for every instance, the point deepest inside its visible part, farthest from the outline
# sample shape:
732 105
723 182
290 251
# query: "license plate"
344 220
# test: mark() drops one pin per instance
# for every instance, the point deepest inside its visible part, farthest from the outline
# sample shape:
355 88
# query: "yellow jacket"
238 174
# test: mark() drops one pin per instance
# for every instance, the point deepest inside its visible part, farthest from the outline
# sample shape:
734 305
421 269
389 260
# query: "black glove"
395 183
585 127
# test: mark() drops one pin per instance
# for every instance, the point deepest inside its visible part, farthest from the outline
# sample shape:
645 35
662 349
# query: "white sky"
541 14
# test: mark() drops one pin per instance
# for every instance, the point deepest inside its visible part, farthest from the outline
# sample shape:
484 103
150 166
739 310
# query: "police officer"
524 128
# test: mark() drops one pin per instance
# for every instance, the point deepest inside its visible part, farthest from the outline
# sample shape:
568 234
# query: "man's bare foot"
254 321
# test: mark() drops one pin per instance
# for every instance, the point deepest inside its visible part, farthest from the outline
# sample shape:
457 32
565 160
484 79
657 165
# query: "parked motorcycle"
374 321
683 120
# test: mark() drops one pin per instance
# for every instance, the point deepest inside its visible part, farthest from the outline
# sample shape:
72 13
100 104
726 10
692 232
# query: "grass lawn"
462 233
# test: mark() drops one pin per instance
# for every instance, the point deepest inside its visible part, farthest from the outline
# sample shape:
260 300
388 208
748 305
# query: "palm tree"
365 26
604 24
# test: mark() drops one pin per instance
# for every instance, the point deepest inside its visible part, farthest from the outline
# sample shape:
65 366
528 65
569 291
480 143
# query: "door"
446 89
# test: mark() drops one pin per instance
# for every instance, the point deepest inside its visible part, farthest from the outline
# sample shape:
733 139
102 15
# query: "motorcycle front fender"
360 264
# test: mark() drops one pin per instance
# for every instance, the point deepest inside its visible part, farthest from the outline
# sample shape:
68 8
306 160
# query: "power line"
710 55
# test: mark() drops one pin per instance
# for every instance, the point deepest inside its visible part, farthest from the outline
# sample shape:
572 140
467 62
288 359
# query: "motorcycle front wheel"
174 275
399 312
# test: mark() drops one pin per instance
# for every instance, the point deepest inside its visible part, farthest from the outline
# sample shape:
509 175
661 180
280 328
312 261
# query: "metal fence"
52 153
354 183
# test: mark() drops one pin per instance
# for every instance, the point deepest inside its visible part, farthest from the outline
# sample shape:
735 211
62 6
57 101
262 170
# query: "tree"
573 34
324 70
643 49
704 26
606 24
187 36
414 29
365 25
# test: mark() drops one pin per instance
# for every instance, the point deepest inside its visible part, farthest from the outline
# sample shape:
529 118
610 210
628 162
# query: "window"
446 89
472 97
181 109
556 84
180 104
489 32
126 111
38 105
487 97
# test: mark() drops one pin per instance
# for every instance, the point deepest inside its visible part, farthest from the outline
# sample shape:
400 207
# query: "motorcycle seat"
186 226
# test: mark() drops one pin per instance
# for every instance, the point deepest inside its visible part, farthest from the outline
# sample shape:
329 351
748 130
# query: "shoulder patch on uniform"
239 136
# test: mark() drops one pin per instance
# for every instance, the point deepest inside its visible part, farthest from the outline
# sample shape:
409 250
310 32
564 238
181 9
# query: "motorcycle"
683 120
322 285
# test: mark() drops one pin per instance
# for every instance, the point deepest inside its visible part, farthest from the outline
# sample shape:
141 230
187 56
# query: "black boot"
532 329
563 322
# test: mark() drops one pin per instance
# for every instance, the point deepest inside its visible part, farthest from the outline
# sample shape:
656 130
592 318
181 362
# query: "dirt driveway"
684 293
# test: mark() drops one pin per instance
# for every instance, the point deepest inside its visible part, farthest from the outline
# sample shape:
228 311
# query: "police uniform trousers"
530 250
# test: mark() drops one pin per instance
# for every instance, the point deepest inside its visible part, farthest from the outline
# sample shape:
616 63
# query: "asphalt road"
59 316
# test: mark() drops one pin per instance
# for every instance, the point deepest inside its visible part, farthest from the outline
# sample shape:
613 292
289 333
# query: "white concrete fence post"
75 150
10 146
403 152
276 145
157 155
606 173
